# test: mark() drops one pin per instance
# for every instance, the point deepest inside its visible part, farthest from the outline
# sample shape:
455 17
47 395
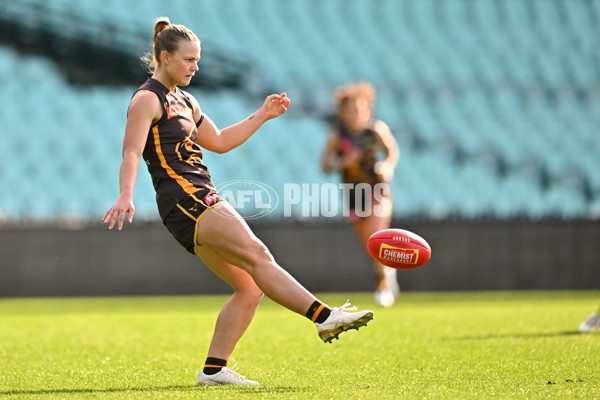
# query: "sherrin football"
398 248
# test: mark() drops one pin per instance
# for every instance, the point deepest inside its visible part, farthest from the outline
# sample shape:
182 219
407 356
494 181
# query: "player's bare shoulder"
145 104
380 127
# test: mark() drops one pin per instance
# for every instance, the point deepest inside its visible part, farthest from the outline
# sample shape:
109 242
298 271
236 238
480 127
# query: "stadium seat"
475 92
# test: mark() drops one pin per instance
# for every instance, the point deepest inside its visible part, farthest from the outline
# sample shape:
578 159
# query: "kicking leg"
227 235
223 231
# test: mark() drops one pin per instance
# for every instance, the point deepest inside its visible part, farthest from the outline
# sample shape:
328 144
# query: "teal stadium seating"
495 104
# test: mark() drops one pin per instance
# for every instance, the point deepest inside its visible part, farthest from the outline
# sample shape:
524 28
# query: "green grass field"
477 345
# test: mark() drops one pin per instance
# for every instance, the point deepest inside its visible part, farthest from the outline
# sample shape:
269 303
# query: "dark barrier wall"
144 259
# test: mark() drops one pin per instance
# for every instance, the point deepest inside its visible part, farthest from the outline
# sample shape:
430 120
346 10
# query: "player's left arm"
385 139
222 141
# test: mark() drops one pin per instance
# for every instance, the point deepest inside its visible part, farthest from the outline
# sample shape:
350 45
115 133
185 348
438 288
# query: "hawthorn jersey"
365 142
173 157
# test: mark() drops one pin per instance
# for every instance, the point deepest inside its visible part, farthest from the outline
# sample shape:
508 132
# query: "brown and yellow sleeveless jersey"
173 157
365 142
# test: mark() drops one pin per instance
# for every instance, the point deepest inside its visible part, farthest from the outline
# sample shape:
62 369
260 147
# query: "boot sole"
327 336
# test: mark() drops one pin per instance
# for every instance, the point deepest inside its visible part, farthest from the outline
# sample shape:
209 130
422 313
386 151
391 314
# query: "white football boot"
387 297
590 324
340 321
391 277
384 297
225 376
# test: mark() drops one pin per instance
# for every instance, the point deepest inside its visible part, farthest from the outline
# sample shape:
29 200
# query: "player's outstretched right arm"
222 141
143 110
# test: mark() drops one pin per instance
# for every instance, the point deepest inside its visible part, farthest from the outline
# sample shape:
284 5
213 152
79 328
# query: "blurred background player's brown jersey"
365 142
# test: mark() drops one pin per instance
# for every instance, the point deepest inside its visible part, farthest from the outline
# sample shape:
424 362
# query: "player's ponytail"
159 25
166 37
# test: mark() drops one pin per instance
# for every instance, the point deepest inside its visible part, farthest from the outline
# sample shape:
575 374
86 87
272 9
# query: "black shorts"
362 200
182 220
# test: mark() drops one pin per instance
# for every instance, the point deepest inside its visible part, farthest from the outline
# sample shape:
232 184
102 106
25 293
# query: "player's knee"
257 297
251 294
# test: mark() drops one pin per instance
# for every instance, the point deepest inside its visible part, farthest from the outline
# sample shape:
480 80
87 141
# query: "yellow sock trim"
316 314
213 366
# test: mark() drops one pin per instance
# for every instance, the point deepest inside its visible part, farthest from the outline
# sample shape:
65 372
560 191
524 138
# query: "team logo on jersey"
171 112
194 208
345 146
210 198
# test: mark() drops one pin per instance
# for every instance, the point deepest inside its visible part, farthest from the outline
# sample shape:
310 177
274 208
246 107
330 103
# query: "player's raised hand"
117 213
275 105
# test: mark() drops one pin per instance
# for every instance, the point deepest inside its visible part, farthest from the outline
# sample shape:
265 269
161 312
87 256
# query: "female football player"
352 149
166 126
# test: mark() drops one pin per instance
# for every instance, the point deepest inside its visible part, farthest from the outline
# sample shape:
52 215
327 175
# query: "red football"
398 248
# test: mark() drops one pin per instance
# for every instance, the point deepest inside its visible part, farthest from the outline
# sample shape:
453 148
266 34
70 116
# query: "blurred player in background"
166 126
591 323
352 149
